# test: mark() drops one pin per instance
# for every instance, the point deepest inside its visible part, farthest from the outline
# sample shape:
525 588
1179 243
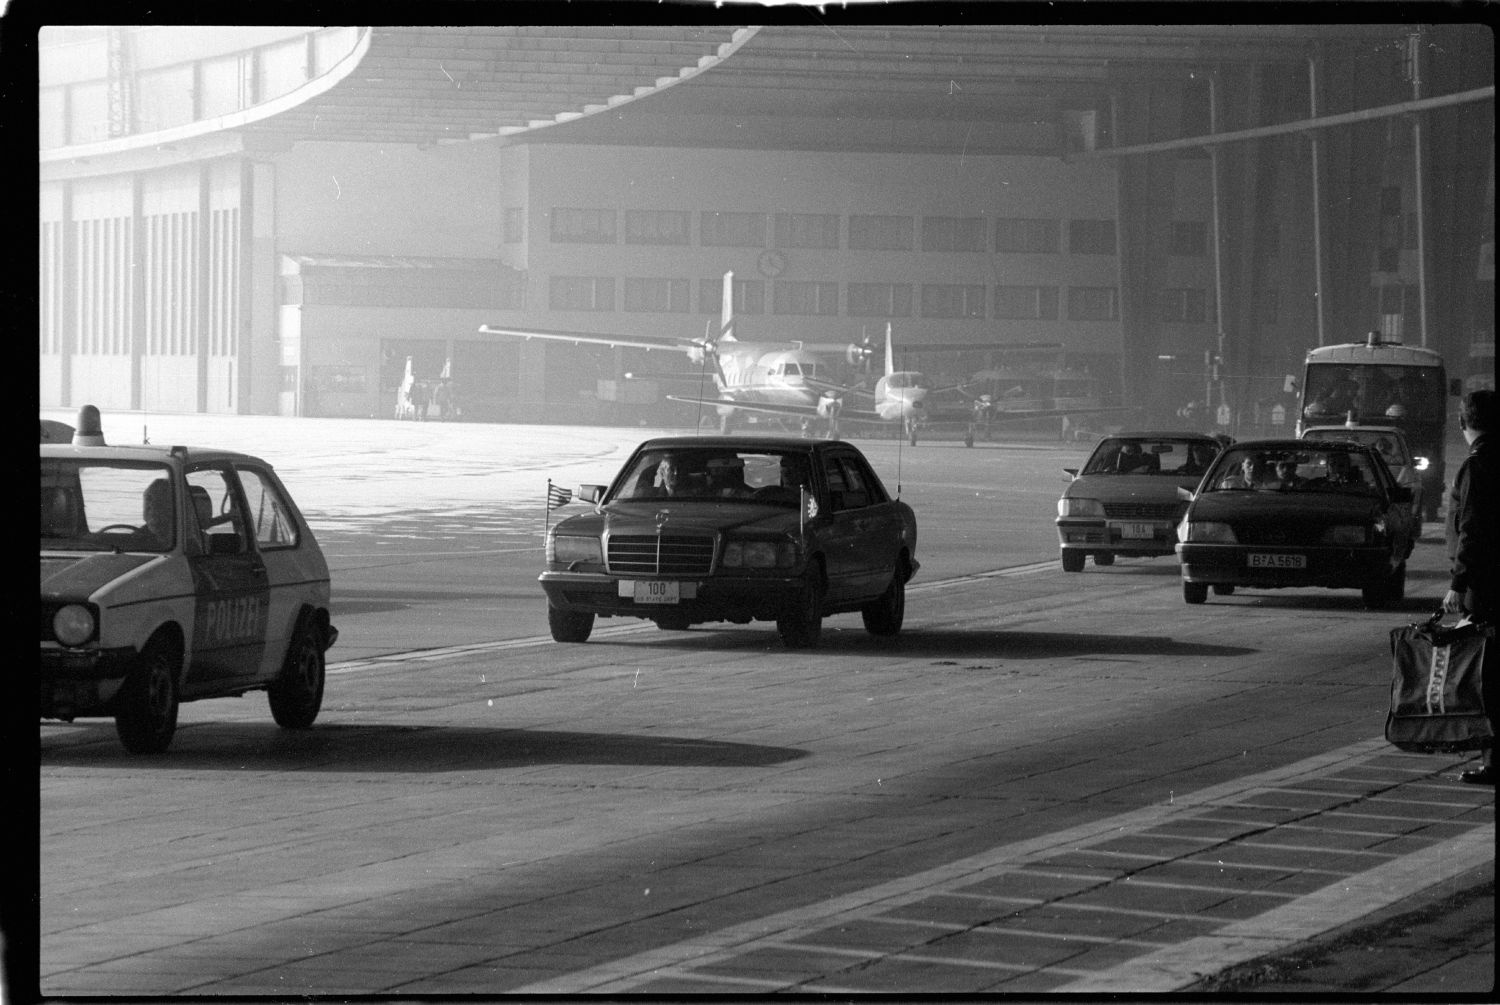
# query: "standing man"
1473 550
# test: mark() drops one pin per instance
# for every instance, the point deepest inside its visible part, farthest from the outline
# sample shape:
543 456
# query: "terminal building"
281 220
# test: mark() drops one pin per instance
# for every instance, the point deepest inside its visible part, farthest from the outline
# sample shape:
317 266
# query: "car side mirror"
225 544
1071 473
1184 494
591 493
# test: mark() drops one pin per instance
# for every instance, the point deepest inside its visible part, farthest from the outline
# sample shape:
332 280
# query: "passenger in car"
156 509
1252 474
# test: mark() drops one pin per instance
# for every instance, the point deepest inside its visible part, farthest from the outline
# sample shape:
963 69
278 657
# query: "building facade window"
1027 236
879 300
1093 303
807 230
1182 306
731 230
1026 303
661 296
513 227
881 233
804 298
581 293
953 233
951 300
658 226
1190 238
1091 237
583 226
749 296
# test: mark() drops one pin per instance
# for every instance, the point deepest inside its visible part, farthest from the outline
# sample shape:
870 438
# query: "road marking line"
624 974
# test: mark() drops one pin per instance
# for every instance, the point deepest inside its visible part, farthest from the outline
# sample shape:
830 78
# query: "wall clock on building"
771 264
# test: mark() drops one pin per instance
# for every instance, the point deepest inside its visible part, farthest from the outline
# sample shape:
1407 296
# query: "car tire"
801 625
1224 589
296 694
1072 561
673 623
1388 591
569 626
1104 558
883 618
1194 593
146 713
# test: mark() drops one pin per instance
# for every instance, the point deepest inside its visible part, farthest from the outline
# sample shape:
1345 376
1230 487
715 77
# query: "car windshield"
1387 444
100 505
1120 455
1288 469
715 474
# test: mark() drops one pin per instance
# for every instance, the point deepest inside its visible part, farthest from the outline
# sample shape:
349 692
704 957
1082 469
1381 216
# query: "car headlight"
759 555
569 548
73 625
1421 463
1346 533
1208 532
1079 506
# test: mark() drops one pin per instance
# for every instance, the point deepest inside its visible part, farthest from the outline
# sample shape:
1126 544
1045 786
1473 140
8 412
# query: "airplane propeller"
861 353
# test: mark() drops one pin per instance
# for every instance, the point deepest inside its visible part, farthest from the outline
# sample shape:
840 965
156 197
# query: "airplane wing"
779 408
670 342
966 416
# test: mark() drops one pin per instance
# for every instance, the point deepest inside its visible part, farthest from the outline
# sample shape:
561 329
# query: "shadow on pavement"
386 747
850 639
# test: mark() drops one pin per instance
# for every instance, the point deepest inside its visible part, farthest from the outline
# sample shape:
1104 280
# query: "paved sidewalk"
1440 941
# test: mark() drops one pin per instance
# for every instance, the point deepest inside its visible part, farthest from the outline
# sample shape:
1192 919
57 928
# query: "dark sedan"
1288 513
1124 501
739 529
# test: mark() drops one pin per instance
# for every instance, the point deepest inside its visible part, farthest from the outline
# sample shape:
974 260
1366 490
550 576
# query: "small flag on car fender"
557 495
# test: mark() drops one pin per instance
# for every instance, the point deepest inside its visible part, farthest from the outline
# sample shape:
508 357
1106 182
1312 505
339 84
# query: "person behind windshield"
1341 470
1200 456
1286 474
726 478
1338 397
1130 458
1252 474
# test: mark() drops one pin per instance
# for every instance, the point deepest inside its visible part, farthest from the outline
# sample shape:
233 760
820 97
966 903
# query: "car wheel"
1224 589
673 623
569 626
801 626
297 693
1386 592
146 716
1104 558
1072 561
885 615
1194 593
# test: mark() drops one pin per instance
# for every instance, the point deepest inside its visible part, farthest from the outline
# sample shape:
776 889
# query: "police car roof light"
89 432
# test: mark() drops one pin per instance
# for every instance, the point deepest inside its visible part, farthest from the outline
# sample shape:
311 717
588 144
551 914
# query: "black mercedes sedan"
734 528
1297 513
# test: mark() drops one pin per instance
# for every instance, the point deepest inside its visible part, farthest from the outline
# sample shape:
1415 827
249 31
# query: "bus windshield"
1374 393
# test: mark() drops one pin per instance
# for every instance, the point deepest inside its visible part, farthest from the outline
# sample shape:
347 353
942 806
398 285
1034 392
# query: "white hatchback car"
172 574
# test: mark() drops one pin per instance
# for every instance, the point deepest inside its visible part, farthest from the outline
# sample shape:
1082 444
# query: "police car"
173 574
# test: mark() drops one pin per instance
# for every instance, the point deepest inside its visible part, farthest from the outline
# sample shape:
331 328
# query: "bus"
1381 382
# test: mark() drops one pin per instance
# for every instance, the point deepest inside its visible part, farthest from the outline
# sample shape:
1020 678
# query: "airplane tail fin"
726 310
